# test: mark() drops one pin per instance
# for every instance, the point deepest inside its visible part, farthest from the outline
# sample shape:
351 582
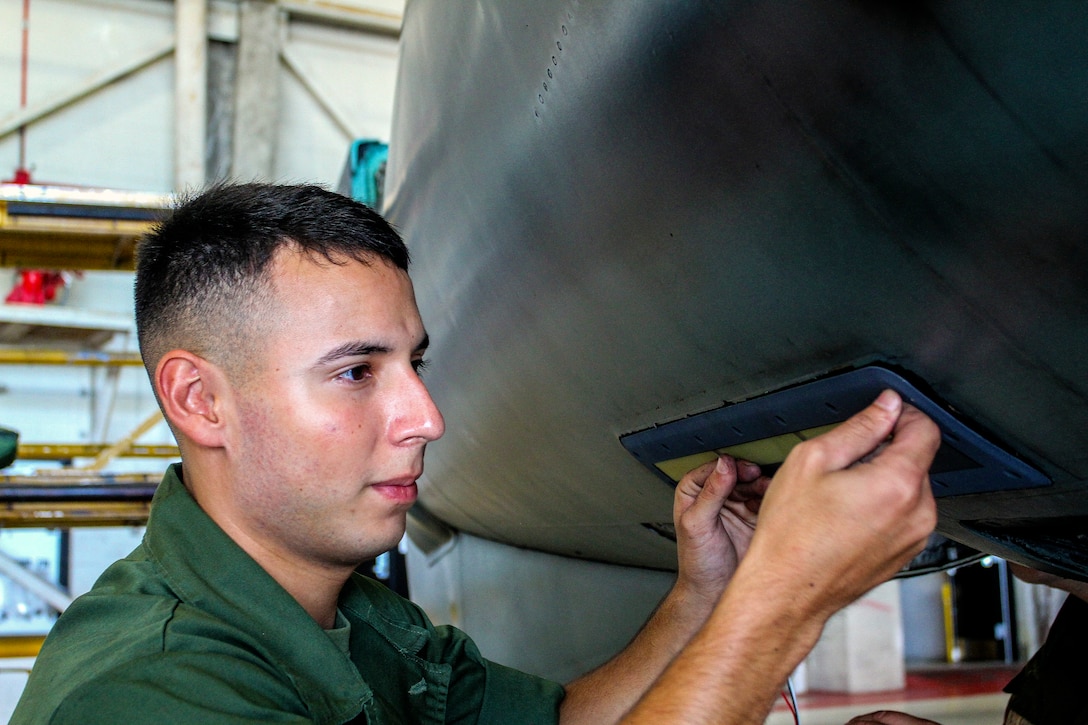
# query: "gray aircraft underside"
626 214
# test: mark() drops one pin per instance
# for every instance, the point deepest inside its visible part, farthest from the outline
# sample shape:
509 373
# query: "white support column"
861 649
253 144
190 93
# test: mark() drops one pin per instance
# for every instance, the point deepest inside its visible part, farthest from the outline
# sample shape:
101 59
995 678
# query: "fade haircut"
203 274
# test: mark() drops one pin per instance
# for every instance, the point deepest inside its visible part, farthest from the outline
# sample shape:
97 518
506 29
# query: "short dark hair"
207 264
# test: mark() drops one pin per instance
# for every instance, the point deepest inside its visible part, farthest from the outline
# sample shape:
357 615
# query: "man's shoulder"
126 610
173 687
128 634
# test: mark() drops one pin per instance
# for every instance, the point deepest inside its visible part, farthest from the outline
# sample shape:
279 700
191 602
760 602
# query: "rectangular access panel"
763 430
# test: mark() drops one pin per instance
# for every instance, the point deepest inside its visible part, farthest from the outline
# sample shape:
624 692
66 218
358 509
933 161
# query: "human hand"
1034 576
849 508
887 717
714 510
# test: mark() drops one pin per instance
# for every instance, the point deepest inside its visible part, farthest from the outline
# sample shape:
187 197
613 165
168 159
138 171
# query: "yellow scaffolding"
68 451
14 356
73 228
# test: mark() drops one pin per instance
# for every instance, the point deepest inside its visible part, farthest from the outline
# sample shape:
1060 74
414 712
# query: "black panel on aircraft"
765 429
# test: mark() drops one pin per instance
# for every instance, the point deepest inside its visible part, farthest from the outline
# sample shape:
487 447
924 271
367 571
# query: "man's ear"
192 392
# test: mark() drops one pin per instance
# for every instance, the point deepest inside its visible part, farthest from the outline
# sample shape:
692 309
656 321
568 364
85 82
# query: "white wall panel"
356 71
516 604
71 41
113 137
310 147
120 137
76 404
92 550
337 85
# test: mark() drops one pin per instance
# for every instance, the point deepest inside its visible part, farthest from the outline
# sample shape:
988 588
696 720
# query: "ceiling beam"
343 14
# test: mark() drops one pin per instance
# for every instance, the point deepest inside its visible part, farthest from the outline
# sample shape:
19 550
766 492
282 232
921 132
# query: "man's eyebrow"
363 349
352 349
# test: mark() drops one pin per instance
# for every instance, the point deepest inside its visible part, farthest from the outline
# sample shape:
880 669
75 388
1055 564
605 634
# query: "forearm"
847 527
608 692
734 667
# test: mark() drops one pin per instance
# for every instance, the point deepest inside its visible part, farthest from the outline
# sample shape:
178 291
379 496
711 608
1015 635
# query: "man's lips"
401 490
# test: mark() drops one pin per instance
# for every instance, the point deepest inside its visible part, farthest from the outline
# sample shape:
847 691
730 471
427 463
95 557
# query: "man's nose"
415 417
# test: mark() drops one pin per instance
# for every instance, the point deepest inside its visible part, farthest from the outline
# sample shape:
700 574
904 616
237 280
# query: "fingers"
751 483
915 441
712 531
862 433
1034 576
906 459
887 717
751 486
748 472
844 524
889 436
710 485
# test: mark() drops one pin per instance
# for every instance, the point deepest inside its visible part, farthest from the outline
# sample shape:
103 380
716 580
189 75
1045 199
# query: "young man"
280 331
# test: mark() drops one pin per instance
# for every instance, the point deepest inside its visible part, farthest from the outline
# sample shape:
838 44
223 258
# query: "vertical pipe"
190 92
952 652
21 174
1007 622
25 62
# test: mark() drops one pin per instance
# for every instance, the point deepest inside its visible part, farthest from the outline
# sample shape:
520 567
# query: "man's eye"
357 373
420 365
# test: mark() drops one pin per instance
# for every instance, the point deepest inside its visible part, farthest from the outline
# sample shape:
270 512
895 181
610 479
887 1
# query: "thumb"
863 432
706 488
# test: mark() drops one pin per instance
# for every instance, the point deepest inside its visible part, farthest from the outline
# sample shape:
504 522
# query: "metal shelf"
76 498
58 326
52 227
68 451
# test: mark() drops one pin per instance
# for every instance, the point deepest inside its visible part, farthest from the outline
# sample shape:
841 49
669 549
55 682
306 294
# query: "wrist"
781 613
734 665
690 602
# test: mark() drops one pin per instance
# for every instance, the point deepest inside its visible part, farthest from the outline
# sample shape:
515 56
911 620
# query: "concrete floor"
970 710
947 694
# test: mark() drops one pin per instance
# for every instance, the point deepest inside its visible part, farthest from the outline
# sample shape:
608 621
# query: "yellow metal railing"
66 514
68 451
28 356
21 645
